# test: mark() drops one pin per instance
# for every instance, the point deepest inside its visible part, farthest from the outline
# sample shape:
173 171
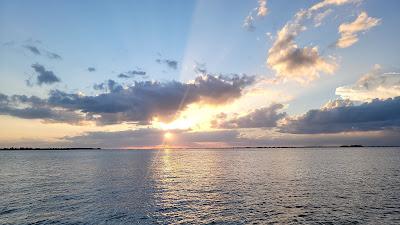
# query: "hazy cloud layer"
150 137
349 31
373 116
260 118
374 84
44 76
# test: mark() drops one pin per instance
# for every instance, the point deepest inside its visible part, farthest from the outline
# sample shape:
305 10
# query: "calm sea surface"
310 186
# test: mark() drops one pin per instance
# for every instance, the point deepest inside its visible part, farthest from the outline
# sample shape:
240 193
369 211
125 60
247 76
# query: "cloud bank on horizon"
133 100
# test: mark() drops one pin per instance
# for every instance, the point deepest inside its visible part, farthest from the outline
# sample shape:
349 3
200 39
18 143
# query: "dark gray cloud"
259 118
373 116
44 76
173 64
145 100
36 51
108 86
33 107
132 73
53 55
91 69
33 49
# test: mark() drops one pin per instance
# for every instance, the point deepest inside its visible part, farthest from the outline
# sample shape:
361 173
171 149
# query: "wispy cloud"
173 64
133 73
349 31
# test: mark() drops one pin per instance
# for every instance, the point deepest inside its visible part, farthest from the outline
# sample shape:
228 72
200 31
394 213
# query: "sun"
168 135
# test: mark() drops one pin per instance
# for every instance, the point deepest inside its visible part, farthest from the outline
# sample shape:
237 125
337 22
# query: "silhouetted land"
29 148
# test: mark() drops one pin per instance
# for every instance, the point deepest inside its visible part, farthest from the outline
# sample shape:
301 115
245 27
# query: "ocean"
201 186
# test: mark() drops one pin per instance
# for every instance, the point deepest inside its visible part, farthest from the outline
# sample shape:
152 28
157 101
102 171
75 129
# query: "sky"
156 74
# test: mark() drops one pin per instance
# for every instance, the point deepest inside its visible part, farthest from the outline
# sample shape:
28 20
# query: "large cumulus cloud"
293 62
373 116
141 102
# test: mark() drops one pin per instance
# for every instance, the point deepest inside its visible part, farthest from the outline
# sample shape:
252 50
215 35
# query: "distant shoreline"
38 149
182 148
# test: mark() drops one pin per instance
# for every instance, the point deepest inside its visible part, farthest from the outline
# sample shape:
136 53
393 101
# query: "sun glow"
168 135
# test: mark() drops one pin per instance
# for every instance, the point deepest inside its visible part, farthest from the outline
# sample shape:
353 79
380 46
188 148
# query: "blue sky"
123 36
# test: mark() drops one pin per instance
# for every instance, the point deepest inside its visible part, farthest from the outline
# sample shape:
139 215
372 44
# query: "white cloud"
248 23
375 84
349 31
321 16
262 9
293 62
326 3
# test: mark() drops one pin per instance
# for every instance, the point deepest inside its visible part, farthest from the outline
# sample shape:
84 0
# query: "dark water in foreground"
201 186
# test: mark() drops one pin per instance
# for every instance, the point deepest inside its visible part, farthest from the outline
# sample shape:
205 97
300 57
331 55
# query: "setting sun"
168 136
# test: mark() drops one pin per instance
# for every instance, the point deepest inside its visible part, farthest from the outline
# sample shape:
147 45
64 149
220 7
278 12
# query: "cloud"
44 76
25 107
262 9
248 23
331 104
293 62
145 100
173 64
108 86
33 49
374 116
302 64
259 118
349 31
91 69
132 73
374 84
318 18
36 51
326 3
52 55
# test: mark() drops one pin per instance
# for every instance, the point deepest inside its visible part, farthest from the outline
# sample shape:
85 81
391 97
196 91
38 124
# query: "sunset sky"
128 74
